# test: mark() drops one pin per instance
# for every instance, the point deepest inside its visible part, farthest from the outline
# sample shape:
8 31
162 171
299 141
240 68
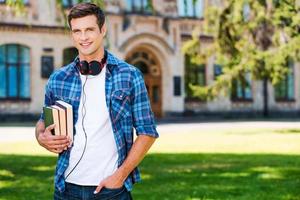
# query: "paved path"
14 134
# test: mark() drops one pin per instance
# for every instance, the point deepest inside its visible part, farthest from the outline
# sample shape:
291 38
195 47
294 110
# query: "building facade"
149 36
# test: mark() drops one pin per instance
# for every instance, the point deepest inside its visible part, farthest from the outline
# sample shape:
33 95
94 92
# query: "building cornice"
33 28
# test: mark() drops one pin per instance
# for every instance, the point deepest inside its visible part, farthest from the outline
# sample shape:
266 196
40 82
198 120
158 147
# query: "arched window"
14 71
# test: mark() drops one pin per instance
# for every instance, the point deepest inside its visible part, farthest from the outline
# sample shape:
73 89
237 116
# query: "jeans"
77 192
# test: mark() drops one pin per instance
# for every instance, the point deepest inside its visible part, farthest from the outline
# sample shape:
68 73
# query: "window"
14 72
246 11
241 89
71 3
190 8
139 6
194 74
69 54
284 90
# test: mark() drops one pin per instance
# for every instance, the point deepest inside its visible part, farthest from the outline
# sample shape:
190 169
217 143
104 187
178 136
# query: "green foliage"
249 36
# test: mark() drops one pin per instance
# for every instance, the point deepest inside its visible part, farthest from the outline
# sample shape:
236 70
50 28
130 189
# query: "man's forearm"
138 151
40 127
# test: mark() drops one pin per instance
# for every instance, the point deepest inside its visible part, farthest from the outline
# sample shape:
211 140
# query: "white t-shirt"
100 159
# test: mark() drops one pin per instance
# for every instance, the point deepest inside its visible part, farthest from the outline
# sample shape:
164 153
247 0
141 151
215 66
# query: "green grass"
233 164
171 176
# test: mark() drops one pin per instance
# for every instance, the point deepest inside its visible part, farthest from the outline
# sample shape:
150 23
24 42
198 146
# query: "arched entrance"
150 67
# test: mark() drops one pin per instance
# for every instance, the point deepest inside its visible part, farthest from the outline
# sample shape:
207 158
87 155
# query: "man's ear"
103 30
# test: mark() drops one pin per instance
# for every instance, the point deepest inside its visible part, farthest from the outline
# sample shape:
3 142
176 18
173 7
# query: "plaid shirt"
127 102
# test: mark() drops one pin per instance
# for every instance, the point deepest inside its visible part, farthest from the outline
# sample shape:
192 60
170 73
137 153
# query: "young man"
109 99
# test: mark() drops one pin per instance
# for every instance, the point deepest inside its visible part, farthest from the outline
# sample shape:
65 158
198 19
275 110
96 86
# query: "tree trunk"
265 96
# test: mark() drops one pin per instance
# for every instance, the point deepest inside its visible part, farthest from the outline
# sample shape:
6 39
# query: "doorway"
147 63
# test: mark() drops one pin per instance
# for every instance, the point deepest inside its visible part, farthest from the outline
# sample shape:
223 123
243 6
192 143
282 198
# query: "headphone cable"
83 112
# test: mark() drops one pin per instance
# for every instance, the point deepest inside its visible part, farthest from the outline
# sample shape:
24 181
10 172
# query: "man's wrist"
123 173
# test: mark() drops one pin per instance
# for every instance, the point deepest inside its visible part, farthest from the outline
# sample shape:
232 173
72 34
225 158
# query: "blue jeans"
77 192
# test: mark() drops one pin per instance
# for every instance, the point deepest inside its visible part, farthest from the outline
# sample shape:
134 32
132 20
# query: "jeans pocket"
110 193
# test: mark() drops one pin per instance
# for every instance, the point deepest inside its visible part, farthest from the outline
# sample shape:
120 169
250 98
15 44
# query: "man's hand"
114 181
53 143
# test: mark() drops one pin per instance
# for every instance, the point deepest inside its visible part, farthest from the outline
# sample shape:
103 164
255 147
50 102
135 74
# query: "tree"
253 36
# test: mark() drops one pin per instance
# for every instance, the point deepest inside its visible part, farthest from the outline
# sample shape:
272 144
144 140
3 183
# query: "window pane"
129 5
155 97
290 91
65 3
199 8
239 90
12 53
2 54
136 5
180 5
25 81
147 6
248 87
12 76
24 55
201 78
189 8
2 81
75 2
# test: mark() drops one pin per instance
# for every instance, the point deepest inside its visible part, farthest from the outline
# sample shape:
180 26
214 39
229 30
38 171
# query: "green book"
48 119
51 116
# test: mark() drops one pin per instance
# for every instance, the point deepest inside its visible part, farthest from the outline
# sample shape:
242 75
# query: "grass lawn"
171 176
237 164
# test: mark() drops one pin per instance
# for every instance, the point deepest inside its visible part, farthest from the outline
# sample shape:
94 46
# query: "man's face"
87 37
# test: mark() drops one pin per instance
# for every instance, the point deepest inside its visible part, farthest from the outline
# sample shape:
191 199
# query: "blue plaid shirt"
127 102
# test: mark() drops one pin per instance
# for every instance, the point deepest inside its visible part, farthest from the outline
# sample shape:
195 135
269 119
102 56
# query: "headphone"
92 68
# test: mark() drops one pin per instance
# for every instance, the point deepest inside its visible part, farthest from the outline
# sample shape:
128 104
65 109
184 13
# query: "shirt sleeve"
48 101
143 118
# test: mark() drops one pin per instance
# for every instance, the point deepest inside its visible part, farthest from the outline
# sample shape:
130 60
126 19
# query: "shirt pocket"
120 104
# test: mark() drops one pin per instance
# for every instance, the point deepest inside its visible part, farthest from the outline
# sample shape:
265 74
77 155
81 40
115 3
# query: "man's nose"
83 36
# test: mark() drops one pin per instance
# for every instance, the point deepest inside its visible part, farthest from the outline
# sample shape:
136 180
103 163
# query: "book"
69 117
51 116
62 119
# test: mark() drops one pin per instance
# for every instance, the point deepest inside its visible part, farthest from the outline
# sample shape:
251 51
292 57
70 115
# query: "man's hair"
86 9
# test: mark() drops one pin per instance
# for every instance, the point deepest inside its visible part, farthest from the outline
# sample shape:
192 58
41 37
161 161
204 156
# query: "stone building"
150 37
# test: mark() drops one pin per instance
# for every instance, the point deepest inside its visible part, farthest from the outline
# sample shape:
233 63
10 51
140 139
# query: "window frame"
285 83
18 65
196 70
142 9
238 84
186 11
